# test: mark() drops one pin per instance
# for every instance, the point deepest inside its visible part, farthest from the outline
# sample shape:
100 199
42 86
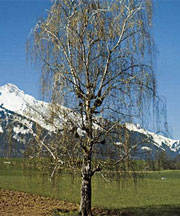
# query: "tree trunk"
85 205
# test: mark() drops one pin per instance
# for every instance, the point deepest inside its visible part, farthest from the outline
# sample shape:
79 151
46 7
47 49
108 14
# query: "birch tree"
96 58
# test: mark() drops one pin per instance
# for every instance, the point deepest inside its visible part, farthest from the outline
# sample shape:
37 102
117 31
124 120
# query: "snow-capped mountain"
20 114
151 143
15 100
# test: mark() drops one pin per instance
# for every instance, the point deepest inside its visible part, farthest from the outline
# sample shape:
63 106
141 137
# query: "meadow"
158 190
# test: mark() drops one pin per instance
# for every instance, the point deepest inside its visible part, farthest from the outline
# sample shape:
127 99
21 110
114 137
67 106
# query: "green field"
153 190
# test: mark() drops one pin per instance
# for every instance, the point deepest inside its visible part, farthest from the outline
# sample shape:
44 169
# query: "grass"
59 212
156 192
148 211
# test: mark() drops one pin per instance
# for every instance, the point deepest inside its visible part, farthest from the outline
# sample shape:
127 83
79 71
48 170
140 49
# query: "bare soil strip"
14 203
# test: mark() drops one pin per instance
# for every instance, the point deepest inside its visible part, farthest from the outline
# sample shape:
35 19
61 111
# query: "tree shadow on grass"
165 210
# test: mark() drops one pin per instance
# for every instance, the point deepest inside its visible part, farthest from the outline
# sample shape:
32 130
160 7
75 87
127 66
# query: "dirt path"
13 203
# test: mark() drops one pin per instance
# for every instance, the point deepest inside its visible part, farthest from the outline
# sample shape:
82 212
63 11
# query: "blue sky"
167 38
17 17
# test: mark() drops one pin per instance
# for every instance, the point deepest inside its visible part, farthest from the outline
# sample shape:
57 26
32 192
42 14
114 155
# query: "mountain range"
21 115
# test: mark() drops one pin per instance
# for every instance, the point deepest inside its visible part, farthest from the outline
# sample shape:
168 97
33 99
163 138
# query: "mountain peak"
10 85
14 99
11 88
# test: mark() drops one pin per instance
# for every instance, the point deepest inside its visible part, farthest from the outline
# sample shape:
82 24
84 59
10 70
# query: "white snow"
17 101
18 129
1 130
158 140
146 149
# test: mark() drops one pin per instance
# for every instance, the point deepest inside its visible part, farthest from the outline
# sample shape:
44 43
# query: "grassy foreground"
155 194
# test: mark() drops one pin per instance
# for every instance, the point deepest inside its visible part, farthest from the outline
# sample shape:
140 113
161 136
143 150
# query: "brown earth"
14 203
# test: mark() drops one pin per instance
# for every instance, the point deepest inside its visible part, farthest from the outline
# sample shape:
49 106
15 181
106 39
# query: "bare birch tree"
96 58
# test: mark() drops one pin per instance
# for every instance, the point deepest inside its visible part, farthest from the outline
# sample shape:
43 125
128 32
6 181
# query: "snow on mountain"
171 146
12 98
28 110
23 120
1 130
